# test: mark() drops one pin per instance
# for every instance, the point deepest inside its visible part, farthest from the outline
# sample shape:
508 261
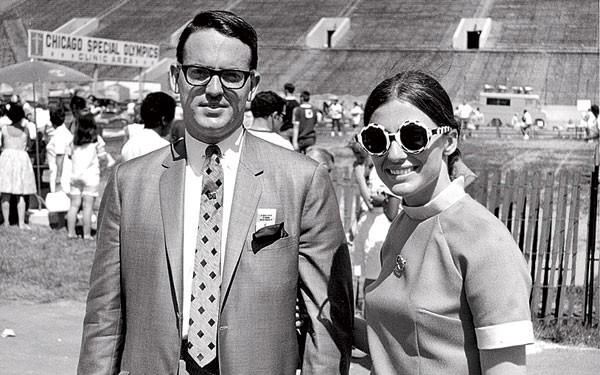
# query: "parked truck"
503 105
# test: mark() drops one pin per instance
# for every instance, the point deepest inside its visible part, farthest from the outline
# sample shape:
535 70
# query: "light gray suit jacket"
133 316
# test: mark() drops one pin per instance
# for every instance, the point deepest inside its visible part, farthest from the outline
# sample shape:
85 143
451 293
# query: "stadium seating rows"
50 14
550 45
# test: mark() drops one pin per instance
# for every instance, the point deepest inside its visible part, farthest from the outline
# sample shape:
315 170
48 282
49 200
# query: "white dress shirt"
230 150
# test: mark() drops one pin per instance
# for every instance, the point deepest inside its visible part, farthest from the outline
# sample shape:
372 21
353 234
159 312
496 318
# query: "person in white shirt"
464 113
158 111
336 112
55 151
267 110
356 112
527 123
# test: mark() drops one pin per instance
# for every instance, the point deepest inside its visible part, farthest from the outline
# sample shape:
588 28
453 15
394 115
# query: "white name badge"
265 217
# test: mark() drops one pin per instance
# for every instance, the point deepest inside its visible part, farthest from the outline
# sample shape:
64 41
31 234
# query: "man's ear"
173 78
254 81
451 142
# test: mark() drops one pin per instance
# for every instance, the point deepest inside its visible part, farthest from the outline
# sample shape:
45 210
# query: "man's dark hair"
266 103
77 104
289 87
57 116
305 96
225 23
156 107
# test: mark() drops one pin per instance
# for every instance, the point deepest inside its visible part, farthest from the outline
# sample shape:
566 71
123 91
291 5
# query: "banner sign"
64 47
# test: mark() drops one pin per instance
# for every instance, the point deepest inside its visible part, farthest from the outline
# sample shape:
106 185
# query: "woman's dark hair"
15 113
77 104
420 90
86 130
594 108
225 23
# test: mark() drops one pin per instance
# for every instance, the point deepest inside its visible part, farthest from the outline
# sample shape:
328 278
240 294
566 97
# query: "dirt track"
48 338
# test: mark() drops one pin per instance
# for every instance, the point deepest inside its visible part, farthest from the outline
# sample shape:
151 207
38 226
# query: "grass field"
41 265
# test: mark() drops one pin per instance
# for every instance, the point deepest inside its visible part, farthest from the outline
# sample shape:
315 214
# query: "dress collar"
446 198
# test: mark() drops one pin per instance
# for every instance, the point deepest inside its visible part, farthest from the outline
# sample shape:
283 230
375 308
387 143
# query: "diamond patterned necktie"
204 309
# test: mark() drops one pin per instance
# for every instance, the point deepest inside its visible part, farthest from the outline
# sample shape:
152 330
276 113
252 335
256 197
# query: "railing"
546 213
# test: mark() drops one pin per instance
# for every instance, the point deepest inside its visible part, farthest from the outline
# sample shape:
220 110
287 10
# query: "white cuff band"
505 335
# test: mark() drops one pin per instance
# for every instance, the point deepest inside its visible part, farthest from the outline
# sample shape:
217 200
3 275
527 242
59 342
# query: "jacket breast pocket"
276 245
268 236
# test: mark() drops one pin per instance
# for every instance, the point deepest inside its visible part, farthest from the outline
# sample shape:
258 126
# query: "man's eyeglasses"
413 136
197 75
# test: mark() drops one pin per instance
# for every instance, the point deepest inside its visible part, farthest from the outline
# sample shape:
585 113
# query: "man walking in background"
286 129
304 119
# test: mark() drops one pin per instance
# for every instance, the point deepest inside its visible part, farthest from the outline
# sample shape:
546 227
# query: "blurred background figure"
157 113
356 112
336 114
527 123
77 105
286 129
464 114
16 170
267 109
377 208
85 152
304 120
56 148
592 123
322 156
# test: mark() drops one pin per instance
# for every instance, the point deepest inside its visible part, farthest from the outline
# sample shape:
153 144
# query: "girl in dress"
452 296
16 171
86 152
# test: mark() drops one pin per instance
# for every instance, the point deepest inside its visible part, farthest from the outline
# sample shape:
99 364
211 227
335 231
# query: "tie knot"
212 150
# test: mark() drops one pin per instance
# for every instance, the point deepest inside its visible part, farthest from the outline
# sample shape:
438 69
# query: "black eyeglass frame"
390 137
215 72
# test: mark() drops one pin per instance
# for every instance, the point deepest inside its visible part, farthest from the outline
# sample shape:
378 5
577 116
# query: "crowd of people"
219 246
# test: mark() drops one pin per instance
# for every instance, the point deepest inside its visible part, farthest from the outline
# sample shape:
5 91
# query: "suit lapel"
172 183
243 209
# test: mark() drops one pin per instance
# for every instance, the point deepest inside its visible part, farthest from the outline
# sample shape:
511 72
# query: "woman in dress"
86 152
452 295
16 171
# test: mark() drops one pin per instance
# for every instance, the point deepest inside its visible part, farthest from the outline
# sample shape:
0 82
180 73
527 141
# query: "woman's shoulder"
468 224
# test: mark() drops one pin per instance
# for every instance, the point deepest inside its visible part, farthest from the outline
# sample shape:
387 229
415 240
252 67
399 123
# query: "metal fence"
552 217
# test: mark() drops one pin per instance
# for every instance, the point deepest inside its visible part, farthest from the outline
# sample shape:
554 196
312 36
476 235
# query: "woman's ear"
451 142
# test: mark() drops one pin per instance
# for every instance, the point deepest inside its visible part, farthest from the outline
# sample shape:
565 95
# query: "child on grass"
86 152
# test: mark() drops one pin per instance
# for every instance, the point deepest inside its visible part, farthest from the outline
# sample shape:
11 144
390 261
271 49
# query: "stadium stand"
550 45
548 24
50 14
410 23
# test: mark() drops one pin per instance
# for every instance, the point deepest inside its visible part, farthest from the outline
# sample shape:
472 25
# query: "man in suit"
262 219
